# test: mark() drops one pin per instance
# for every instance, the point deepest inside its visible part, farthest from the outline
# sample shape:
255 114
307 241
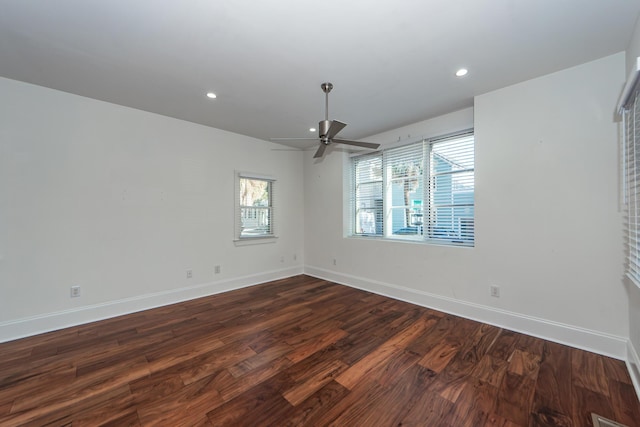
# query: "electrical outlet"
495 291
189 274
216 269
335 262
75 291
295 257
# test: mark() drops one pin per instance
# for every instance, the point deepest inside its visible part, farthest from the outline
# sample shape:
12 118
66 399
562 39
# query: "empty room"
296 213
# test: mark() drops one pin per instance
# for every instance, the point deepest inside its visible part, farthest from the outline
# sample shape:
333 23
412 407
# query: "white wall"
632 53
548 227
123 202
633 50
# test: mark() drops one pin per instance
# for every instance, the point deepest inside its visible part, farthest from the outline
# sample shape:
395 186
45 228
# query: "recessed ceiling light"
312 129
462 72
211 95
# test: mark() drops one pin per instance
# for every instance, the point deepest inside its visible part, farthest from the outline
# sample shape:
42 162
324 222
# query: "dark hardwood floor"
303 351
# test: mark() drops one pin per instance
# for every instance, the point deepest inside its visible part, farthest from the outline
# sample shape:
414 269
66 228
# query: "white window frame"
427 208
373 218
270 210
629 108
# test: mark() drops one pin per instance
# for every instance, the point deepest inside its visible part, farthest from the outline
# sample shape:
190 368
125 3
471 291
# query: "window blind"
367 195
422 191
451 189
631 162
405 190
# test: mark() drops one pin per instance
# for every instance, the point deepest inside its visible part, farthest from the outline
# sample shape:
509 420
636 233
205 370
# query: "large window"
422 191
631 113
255 206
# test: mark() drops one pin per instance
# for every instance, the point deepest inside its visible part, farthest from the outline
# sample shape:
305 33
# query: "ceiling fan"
328 129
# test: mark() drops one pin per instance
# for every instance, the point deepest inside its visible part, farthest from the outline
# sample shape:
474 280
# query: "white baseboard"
598 342
34 325
586 339
633 366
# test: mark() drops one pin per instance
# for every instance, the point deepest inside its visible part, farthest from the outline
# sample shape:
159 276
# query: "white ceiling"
392 62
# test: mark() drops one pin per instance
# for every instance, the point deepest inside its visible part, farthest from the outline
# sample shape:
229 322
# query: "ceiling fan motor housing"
323 130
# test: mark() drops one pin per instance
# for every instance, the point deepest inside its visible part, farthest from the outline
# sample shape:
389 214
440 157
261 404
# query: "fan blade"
291 139
320 151
336 126
357 143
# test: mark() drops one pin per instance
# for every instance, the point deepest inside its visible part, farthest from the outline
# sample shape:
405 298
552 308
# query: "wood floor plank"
370 363
616 370
248 380
453 378
504 345
181 353
5 407
474 405
553 395
490 370
156 386
304 351
213 361
124 350
61 412
515 398
186 406
354 347
391 349
313 380
586 402
8 352
629 412
430 409
127 420
28 383
439 356
269 355
588 372
351 410
308 412
307 328
494 420
533 345
524 363
259 406
119 375
361 316
395 369
118 410
400 395
439 333
288 316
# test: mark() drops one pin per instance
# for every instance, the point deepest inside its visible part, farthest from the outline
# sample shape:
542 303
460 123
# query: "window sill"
247 241
423 242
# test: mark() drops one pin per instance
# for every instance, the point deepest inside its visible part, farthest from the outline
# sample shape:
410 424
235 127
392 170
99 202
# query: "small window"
254 217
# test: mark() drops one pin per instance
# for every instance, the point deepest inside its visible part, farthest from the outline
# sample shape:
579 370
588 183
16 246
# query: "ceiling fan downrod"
324 125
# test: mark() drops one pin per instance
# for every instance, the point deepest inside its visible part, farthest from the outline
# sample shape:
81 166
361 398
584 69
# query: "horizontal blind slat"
423 189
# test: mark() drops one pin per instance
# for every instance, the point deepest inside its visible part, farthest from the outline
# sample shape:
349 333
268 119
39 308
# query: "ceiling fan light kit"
328 129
